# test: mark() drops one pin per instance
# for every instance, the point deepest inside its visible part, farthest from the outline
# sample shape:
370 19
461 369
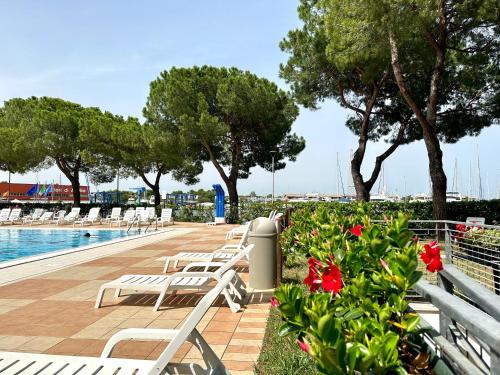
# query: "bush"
355 317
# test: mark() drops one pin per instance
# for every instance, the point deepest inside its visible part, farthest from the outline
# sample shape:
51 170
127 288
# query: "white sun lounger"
128 218
4 215
58 217
91 218
184 280
44 219
116 215
31 364
14 216
71 217
37 213
225 253
166 217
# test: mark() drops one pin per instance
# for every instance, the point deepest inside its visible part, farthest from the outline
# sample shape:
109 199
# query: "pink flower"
314 232
415 238
384 264
356 230
274 302
303 346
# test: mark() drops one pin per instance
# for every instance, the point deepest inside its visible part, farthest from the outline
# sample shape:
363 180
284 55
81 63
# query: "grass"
281 355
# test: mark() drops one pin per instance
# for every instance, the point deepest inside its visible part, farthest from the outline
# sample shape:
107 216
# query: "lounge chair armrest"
230 246
137 333
193 274
202 264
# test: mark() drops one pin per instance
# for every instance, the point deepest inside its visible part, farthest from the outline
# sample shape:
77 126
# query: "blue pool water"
18 243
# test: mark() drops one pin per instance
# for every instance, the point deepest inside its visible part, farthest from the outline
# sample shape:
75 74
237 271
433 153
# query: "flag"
33 190
41 192
48 190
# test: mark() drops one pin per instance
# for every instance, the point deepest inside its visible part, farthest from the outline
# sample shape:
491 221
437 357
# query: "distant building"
44 192
182 199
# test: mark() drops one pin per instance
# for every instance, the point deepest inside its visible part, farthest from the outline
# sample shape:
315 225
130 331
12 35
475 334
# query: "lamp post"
272 170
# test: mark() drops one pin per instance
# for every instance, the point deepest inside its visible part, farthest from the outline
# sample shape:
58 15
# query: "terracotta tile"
69 346
242 349
227 317
217 326
248 336
36 288
217 338
239 365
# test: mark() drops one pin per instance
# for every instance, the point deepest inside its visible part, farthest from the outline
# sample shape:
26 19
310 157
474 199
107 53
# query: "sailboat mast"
479 175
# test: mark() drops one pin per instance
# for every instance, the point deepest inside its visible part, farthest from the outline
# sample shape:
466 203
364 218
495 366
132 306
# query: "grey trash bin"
263 257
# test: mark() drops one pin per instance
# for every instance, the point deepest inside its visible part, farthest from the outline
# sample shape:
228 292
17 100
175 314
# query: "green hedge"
457 211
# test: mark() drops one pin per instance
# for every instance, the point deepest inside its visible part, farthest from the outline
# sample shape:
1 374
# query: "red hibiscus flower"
332 279
356 230
431 256
303 346
274 302
312 280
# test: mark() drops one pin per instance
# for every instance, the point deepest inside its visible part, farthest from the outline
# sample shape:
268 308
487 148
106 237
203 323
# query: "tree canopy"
21 143
229 117
442 55
143 150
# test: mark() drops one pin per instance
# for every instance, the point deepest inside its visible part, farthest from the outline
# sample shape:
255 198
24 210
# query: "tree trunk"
428 123
233 201
362 193
438 178
156 192
75 184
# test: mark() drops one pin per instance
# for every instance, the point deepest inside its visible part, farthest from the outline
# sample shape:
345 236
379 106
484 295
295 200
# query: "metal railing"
467 294
473 250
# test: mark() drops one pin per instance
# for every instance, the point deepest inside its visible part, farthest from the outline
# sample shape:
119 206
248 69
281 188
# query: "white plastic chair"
184 280
37 213
72 216
14 216
4 215
166 217
31 364
91 218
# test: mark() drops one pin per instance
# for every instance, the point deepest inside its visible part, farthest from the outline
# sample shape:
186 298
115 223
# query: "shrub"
355 317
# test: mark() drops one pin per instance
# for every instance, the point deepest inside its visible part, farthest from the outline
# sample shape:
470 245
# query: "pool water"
18 243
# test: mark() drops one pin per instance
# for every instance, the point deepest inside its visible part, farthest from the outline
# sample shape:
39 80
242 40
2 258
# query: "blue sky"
105 53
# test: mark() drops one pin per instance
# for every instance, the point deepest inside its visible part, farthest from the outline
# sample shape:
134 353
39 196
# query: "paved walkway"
53 313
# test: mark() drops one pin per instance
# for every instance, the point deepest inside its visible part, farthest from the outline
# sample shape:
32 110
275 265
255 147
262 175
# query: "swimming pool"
19 243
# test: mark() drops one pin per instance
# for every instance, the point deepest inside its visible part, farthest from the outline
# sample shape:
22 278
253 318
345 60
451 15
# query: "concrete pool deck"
52 312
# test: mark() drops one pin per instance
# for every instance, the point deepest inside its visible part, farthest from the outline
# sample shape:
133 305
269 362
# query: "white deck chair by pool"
44 219
4 215
58 217
224 253
91 218
37 213
116 215
166 217
184 280
30 364
71 217
15 216
127 219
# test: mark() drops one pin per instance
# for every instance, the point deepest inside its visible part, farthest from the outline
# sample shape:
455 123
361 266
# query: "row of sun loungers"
139 216
229 284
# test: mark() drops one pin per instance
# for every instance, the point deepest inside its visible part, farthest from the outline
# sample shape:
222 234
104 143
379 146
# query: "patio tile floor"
53 313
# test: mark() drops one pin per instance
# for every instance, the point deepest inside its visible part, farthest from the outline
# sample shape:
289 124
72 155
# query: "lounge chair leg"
232 305
160 299
176 263
100 296
117 292
167 262
212 361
